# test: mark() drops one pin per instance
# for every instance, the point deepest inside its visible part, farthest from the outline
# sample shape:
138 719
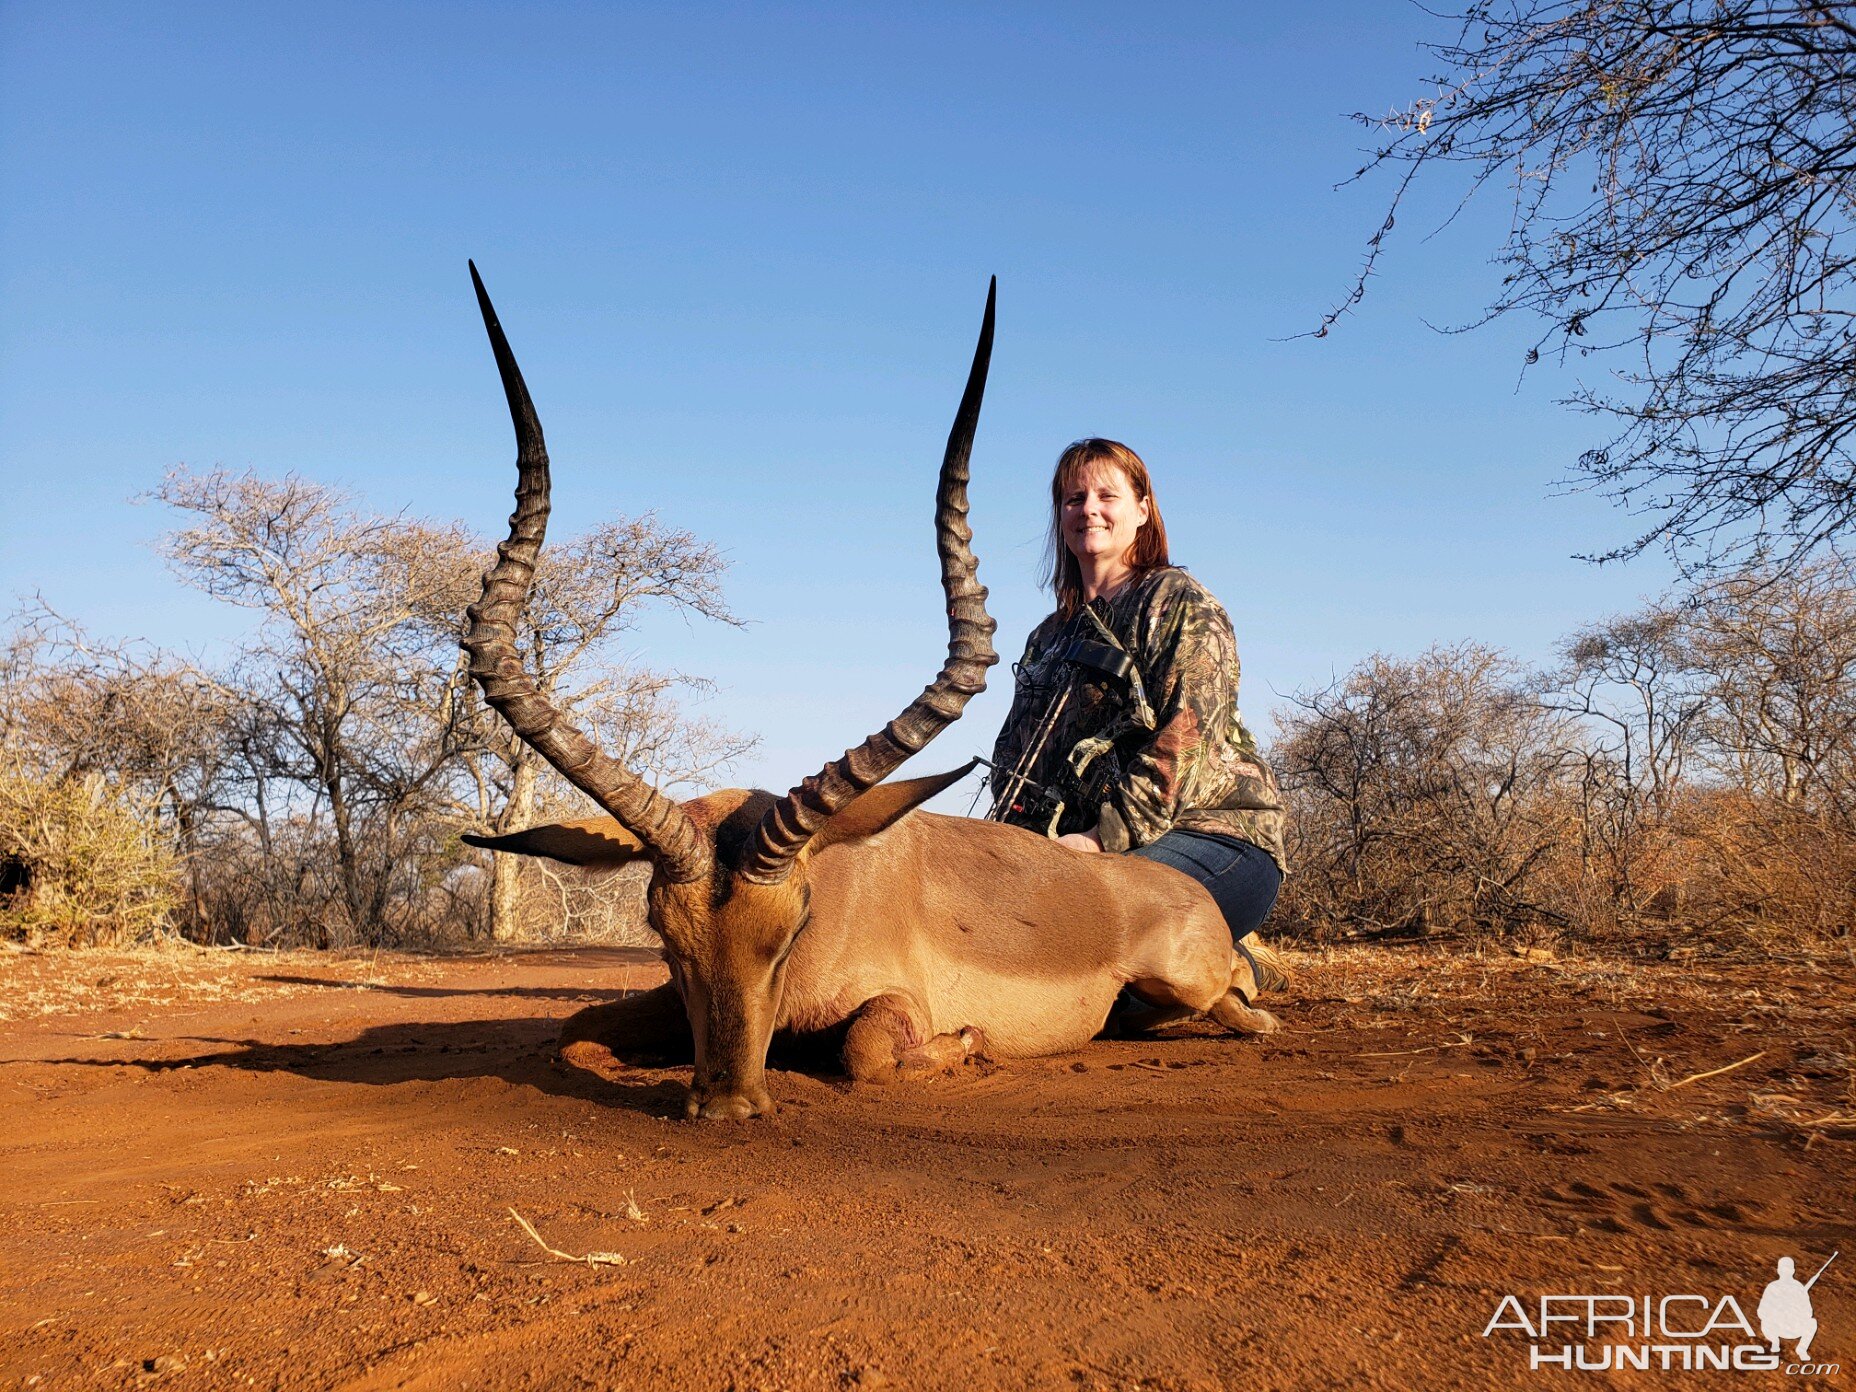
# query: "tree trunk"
187 838
505 887
505 870
347 857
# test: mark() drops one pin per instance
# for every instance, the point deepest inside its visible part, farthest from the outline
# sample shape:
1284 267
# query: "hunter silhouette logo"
1785 1308
1670 1333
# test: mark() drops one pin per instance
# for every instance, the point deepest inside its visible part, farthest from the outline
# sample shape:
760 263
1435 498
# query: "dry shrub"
559 903
286 892
1758 869
92 868
1422 796
280 885
1685 777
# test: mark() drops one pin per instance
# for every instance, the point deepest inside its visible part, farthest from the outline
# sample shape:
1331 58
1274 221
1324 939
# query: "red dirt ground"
245 1170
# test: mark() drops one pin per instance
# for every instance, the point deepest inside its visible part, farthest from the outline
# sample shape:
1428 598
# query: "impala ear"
598 843
884 805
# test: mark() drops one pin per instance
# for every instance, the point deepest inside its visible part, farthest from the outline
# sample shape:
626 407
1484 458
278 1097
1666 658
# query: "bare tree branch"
1682 175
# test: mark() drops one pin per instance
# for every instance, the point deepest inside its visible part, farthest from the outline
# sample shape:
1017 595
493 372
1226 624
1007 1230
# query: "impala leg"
1199 974
889 1038
1231 1010
649 1028
1234 1013
1161 1003
1234 1010
1183 994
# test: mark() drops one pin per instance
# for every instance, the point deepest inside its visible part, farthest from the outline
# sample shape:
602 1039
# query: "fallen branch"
1427 1049
1835 1119
590 1259
1716 1072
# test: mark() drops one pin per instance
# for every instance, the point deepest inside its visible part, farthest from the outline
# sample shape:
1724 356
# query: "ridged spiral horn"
679 851
796 818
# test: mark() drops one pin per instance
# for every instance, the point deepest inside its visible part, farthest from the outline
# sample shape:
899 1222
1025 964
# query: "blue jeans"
1241 877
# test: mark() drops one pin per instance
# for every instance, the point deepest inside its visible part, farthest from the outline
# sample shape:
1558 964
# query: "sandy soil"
237 1170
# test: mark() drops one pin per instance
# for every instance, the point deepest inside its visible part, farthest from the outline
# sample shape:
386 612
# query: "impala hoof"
732 1106
1245 1019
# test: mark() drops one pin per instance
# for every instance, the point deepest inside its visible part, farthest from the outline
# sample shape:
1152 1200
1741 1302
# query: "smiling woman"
1124 732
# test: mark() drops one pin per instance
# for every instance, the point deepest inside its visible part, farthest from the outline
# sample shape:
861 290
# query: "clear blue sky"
741 252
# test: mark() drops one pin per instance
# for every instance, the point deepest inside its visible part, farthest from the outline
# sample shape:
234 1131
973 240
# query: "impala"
840 906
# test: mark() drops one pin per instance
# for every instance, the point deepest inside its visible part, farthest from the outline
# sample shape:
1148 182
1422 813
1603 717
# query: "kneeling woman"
1124 733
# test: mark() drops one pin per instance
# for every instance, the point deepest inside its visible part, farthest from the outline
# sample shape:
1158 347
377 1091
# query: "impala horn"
796 818
665 829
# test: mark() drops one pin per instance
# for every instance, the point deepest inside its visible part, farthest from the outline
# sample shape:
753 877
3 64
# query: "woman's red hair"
1065 577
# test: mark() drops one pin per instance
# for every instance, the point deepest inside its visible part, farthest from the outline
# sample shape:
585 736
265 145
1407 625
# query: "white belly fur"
1019 1018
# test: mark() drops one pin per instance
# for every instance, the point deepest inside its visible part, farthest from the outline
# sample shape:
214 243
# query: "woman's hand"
1081 841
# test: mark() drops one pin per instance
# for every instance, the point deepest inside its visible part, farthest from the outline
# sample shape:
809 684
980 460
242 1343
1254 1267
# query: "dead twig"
1837 1120
1655 1070
590 1259
1427 1049
1716 1072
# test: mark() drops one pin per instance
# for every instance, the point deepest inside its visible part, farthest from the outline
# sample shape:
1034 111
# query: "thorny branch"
1682 175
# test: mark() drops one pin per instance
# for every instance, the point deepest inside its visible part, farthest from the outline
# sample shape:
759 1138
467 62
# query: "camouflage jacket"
1167 748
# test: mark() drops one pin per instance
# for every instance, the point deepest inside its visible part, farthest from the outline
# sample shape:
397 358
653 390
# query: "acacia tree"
148 720
1422 792
340 663
1779 654
1639 705
1683 176
358 709
1634 677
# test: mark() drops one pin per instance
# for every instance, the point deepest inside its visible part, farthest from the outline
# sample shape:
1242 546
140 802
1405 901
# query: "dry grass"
590 1259
1795 1020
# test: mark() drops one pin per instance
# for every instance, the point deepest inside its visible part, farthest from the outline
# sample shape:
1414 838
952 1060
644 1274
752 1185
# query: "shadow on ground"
520 1050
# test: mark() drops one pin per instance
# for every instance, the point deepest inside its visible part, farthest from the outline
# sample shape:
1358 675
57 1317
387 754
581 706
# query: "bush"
88 868
1422 796
1765 871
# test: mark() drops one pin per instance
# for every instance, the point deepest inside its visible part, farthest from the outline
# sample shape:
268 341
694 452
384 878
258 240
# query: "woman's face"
1101 513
